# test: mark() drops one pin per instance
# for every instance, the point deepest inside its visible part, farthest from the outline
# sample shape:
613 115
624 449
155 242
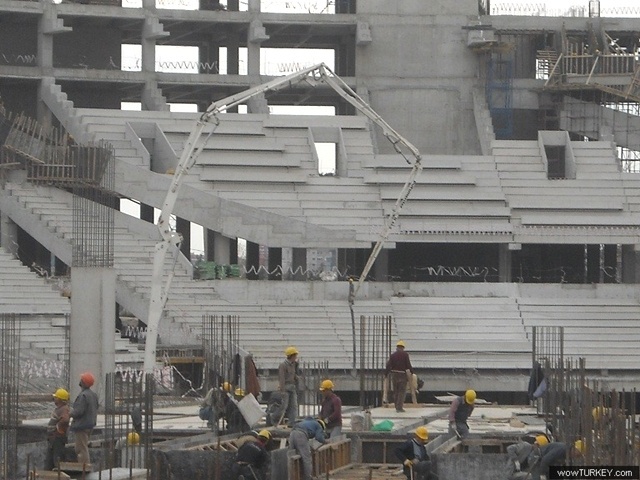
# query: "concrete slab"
119 474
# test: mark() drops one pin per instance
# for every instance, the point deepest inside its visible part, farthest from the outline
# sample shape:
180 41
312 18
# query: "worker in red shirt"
331 409
399 368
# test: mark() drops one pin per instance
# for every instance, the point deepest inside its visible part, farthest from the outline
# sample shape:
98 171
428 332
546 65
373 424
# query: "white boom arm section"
193 147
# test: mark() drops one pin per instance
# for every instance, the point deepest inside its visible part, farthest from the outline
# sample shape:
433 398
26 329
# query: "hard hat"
599 412
239 392
266 434
226 386
133 438
400 344
470 396
291 351
580 446
541 440
323 424
422 433
61 394
326 385
87 379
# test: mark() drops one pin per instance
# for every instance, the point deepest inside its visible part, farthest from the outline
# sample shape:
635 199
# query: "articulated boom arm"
209 120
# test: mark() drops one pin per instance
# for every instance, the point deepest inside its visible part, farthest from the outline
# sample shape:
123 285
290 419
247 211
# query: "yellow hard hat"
580 446
326 385
470 397
239 392
422 433
599 412
291 351
226 386
400 344
61 394
323 424
541 440
266 434
133 438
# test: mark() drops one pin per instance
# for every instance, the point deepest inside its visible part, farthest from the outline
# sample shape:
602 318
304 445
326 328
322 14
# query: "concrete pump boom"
314 75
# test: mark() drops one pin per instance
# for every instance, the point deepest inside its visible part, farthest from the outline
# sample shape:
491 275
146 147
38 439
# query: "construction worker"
555 453
331 409
459 411
57 429
213 405
85 415
398 370
288 384
252 460
416 463
299 442
522 455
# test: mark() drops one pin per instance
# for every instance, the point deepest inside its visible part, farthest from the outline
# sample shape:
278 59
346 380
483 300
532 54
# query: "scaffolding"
128 435
375 349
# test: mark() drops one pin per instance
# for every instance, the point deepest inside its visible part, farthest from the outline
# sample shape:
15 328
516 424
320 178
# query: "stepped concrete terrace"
42 313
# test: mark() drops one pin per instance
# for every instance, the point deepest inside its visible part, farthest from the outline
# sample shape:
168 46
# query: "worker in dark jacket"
331 409
57 429
522 456
85 415
398 370
299 442
555 453
460 410
252 459
415 459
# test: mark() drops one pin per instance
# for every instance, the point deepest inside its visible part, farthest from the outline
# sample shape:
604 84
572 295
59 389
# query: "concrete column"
45 62
8 234
504 262
299 263
221 249
381 266
92 330
630 263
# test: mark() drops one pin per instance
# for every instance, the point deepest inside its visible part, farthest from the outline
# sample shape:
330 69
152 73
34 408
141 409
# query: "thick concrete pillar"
299 263
630 263
218 248
8 234
92 330
504 262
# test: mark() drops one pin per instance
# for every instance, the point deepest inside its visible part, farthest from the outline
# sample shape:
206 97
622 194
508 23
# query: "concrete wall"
417 64
479 466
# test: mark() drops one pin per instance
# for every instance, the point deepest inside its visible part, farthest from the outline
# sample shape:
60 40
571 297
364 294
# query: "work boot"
400 410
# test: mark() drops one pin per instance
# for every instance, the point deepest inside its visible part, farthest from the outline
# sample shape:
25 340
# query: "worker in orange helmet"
84 414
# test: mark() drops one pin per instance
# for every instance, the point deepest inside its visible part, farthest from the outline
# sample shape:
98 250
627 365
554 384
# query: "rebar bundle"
375 348
9 382
222 362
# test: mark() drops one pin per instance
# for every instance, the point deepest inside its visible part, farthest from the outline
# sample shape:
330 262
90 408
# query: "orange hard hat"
88 379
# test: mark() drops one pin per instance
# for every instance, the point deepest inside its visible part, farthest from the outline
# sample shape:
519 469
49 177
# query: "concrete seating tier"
603 331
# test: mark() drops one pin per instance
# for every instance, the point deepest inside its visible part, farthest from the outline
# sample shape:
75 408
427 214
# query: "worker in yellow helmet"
252 460
555 453
398 370
416 463
57 429
331 409
522 455
288 376
460 410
